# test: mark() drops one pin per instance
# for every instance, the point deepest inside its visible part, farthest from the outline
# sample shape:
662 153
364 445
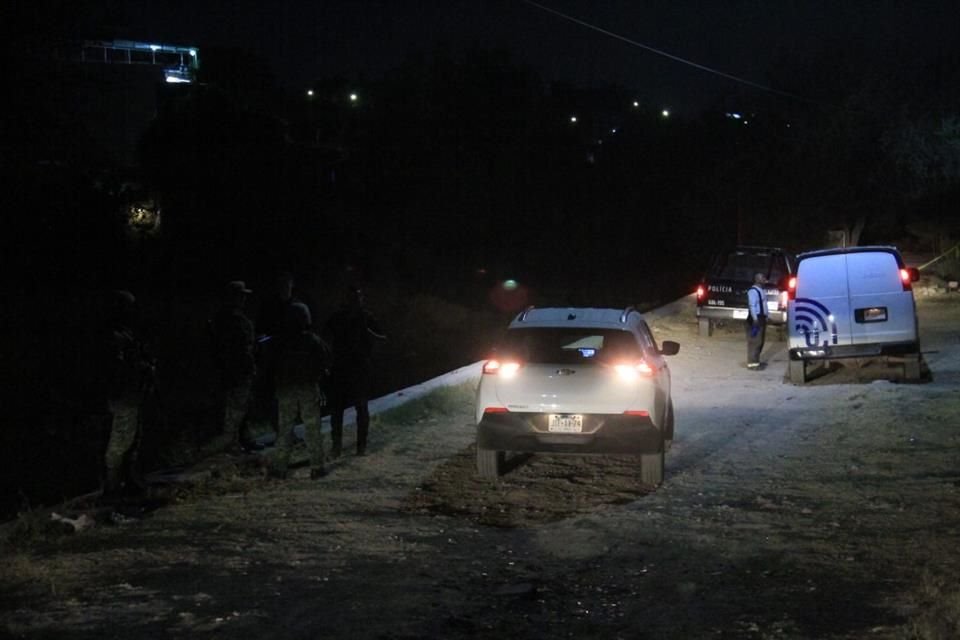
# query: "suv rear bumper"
837 352
603 433
727 314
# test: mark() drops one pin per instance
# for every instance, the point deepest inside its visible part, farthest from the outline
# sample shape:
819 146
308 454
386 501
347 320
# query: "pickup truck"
722 293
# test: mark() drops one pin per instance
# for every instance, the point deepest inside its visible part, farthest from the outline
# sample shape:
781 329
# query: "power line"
665 54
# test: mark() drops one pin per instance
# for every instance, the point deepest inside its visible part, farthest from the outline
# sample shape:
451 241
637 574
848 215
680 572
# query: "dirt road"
827 511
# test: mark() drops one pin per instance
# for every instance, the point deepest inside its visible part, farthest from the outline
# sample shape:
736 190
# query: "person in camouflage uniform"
302 361
234 355
129 377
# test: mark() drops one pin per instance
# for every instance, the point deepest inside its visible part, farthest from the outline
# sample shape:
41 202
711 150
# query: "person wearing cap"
302 365
234 357
756 322
351 331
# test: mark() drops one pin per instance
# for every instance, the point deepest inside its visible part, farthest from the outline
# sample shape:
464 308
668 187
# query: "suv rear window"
562 345
741 266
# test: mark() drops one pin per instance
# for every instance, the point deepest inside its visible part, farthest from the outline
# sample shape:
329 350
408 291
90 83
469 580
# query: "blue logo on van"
811 318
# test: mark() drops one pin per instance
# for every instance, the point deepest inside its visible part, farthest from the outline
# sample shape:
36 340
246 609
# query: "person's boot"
336 449
112 485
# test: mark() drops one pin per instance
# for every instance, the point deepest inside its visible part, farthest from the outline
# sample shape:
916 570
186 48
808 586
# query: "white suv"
576 380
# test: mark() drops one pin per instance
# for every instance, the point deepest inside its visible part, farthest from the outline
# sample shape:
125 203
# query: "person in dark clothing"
271 317
351 331
127 373
756 322
234 357
302 367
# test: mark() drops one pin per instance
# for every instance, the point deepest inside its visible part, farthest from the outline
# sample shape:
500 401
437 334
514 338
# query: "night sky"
360 39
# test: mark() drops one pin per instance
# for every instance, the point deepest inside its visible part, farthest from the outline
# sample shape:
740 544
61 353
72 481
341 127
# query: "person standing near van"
756 323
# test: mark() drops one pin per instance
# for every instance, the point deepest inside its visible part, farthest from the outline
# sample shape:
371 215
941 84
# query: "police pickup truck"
722 293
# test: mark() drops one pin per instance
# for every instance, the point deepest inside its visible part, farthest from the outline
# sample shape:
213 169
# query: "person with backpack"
756 322
302 365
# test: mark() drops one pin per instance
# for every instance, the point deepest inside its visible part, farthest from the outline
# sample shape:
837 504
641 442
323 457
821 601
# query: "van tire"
705 327
911 367
490 462
798 371
651 468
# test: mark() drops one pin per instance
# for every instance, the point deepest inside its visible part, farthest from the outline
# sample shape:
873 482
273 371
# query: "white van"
855 302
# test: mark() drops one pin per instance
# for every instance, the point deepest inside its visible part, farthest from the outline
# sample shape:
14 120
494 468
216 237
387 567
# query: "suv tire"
651 468
668 428
490 463
705 327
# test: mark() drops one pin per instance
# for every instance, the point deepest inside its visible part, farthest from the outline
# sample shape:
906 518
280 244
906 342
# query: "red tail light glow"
792 288
506 369
634 370
496 410
906 280
701 293
640 412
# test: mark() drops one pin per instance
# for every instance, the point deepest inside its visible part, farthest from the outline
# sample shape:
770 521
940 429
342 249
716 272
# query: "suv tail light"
507 368
634 370
701 293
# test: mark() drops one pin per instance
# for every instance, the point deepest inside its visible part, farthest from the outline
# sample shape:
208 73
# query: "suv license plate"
565 423
740 314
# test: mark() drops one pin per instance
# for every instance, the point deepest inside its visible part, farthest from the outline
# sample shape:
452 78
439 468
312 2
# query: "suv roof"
575 317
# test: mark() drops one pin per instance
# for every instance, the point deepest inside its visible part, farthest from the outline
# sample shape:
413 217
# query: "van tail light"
633 370
792 288
637 412
908 276
905 279
504 368
701 293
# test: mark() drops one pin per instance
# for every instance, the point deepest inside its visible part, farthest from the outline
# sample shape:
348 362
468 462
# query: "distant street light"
636 104
665 113
309 93
573 119
353 97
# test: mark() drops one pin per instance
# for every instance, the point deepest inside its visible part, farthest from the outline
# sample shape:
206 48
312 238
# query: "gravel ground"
825 511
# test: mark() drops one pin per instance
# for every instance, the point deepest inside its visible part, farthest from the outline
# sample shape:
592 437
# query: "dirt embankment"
831 510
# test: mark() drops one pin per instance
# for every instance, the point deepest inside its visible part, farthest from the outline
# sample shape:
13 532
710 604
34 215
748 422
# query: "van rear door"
882 311
821 310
